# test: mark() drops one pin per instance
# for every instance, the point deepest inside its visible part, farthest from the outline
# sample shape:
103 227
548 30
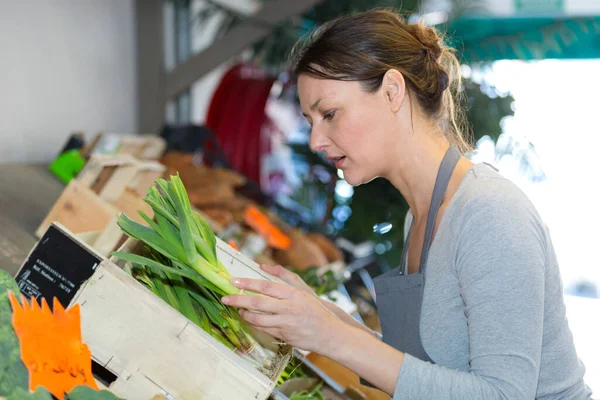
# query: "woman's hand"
293 315
295 280
300 319
288 276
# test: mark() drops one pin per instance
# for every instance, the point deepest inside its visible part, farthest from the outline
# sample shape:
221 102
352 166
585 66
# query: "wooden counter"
26 194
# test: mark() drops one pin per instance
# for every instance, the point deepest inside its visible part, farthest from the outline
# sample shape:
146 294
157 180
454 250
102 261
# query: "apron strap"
439 190
444 174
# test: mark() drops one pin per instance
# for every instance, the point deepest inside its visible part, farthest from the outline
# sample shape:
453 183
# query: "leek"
179 235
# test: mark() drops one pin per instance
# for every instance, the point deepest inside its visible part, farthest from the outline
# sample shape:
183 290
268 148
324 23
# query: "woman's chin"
355 180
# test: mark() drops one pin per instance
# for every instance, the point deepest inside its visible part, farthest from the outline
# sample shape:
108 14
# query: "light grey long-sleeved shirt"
493 317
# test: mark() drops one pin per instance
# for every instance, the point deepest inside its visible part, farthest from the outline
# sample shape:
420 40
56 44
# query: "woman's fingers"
258 303
261 320
287 276
280 272
268 288
274 332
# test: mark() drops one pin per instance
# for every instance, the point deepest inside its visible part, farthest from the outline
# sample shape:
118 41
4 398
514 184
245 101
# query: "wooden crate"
149 347
106 186
109 176
143 147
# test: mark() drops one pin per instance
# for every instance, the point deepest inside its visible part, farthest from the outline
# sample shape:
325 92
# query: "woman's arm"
367 356
348 319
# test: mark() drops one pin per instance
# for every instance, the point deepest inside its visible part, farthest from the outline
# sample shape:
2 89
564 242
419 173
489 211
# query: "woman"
475 311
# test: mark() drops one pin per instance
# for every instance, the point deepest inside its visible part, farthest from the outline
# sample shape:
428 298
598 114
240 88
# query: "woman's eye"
329 115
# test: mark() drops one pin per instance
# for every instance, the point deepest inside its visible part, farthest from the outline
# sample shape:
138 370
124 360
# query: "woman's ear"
394 88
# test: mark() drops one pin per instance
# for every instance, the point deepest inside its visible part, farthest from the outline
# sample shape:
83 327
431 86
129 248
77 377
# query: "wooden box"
105 187
143 147
149 348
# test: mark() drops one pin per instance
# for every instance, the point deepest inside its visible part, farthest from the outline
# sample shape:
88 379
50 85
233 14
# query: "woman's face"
352 126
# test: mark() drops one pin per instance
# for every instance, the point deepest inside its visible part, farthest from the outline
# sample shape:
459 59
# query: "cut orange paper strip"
261 224
51 346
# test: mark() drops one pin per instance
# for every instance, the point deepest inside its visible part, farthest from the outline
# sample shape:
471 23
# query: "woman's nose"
318 140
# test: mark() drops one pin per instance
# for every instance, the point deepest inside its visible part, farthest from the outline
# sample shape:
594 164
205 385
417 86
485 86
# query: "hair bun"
430 40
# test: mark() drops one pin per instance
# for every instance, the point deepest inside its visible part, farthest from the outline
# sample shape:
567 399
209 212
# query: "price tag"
57 267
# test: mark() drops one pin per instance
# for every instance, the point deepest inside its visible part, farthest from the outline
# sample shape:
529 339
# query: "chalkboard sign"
57 267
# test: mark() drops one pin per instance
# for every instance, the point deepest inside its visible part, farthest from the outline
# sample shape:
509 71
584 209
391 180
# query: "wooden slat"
146 147
348 379
96 166
106 241
109 238
88 237
146 178
103 177
109 175
241 266
154 149
145 389
79 209
118 182
129 203
90 174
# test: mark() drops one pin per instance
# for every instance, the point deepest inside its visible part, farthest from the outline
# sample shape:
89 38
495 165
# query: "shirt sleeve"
500 263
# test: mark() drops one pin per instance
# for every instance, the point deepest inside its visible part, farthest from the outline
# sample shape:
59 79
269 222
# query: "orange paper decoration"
51 346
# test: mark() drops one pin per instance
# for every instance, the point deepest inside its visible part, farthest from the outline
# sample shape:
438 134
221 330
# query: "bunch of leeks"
179 264
197 303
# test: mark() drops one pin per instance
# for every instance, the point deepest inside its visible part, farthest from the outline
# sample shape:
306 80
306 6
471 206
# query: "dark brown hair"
364 46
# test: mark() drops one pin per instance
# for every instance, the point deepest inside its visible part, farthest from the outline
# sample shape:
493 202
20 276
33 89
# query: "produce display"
175 258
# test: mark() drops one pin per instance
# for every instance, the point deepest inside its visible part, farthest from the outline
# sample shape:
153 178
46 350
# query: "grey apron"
399 295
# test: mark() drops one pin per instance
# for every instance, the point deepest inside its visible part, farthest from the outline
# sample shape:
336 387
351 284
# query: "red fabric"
236 115
216 107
